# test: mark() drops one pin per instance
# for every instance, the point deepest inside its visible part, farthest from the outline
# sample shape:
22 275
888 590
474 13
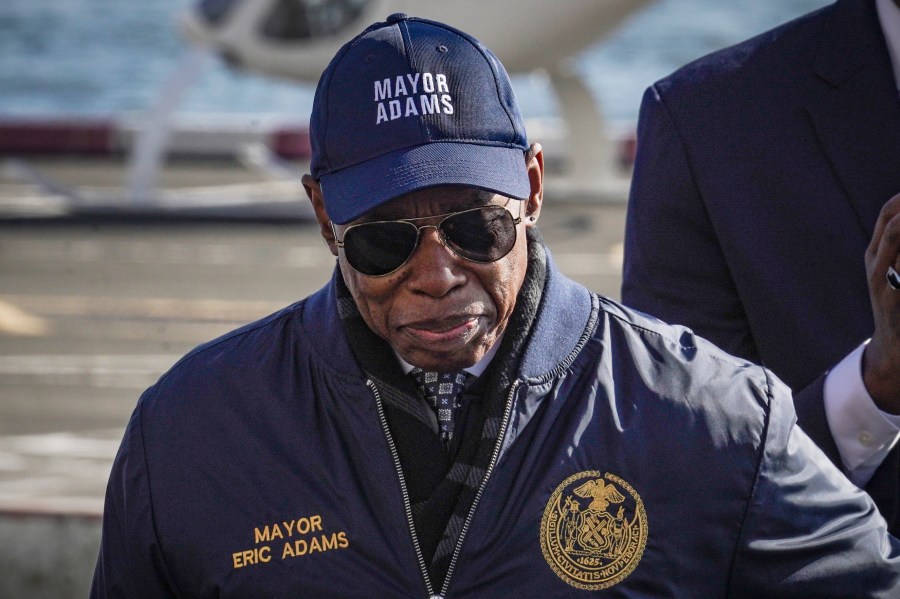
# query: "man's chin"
445 360
445 355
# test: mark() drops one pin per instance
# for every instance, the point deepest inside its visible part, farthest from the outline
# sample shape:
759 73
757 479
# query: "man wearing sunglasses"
450 416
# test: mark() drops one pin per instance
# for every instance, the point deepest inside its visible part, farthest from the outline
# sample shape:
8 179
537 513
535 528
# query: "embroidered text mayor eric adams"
412 94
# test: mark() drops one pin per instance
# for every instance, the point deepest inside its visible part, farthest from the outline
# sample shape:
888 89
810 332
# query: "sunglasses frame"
412 221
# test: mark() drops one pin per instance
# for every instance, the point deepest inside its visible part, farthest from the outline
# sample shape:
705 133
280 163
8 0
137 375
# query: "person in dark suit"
761 215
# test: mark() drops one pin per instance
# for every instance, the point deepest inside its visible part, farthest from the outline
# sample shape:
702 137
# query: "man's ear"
314 193
535 166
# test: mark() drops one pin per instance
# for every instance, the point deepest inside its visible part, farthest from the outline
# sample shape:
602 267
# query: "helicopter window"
305 19
215 11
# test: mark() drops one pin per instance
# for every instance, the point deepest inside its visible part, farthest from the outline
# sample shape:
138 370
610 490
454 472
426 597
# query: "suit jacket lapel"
857 115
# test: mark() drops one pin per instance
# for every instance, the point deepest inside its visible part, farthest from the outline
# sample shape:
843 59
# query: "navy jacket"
634 460
760 173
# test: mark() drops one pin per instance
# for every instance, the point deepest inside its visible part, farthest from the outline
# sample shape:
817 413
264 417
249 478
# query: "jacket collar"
856 113
851 39
560 327
324 333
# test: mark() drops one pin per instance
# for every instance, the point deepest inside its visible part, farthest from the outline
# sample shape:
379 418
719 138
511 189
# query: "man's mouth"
437 331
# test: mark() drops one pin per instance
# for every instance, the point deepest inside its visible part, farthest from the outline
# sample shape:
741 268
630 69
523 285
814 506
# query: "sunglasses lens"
379 248
483 235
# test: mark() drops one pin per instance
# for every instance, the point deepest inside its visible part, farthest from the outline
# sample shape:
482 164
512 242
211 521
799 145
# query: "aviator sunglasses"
379 248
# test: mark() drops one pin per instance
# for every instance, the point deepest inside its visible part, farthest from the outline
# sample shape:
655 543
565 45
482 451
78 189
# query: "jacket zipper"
407 506
465 529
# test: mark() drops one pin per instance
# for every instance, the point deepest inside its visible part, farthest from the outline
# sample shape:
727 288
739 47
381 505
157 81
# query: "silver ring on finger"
893 278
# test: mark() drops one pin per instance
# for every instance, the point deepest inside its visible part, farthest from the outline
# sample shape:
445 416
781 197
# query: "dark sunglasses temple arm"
338 242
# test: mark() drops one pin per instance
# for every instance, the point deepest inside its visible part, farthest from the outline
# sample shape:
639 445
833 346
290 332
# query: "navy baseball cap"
409 104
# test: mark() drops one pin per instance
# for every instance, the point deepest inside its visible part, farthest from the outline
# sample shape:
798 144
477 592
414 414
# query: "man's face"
440 311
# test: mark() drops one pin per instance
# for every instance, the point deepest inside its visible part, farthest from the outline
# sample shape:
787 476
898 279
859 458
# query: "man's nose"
434 269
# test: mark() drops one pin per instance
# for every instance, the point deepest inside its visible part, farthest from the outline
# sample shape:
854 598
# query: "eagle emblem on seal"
594 530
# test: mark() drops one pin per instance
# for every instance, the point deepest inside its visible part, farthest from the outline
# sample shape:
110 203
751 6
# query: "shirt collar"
889 17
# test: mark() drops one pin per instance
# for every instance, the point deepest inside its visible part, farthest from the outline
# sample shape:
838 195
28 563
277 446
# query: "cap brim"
351 192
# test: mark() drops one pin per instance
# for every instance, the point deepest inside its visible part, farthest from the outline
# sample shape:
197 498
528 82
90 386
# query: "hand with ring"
881 360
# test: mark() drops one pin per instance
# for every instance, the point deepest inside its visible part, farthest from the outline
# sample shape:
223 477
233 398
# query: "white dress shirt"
864 434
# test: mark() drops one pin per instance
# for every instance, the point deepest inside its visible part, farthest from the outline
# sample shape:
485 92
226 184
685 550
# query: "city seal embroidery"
594 530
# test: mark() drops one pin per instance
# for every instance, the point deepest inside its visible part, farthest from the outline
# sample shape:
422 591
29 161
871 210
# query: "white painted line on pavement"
197 310
15 321
111 371
581 264
133 251
62 444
